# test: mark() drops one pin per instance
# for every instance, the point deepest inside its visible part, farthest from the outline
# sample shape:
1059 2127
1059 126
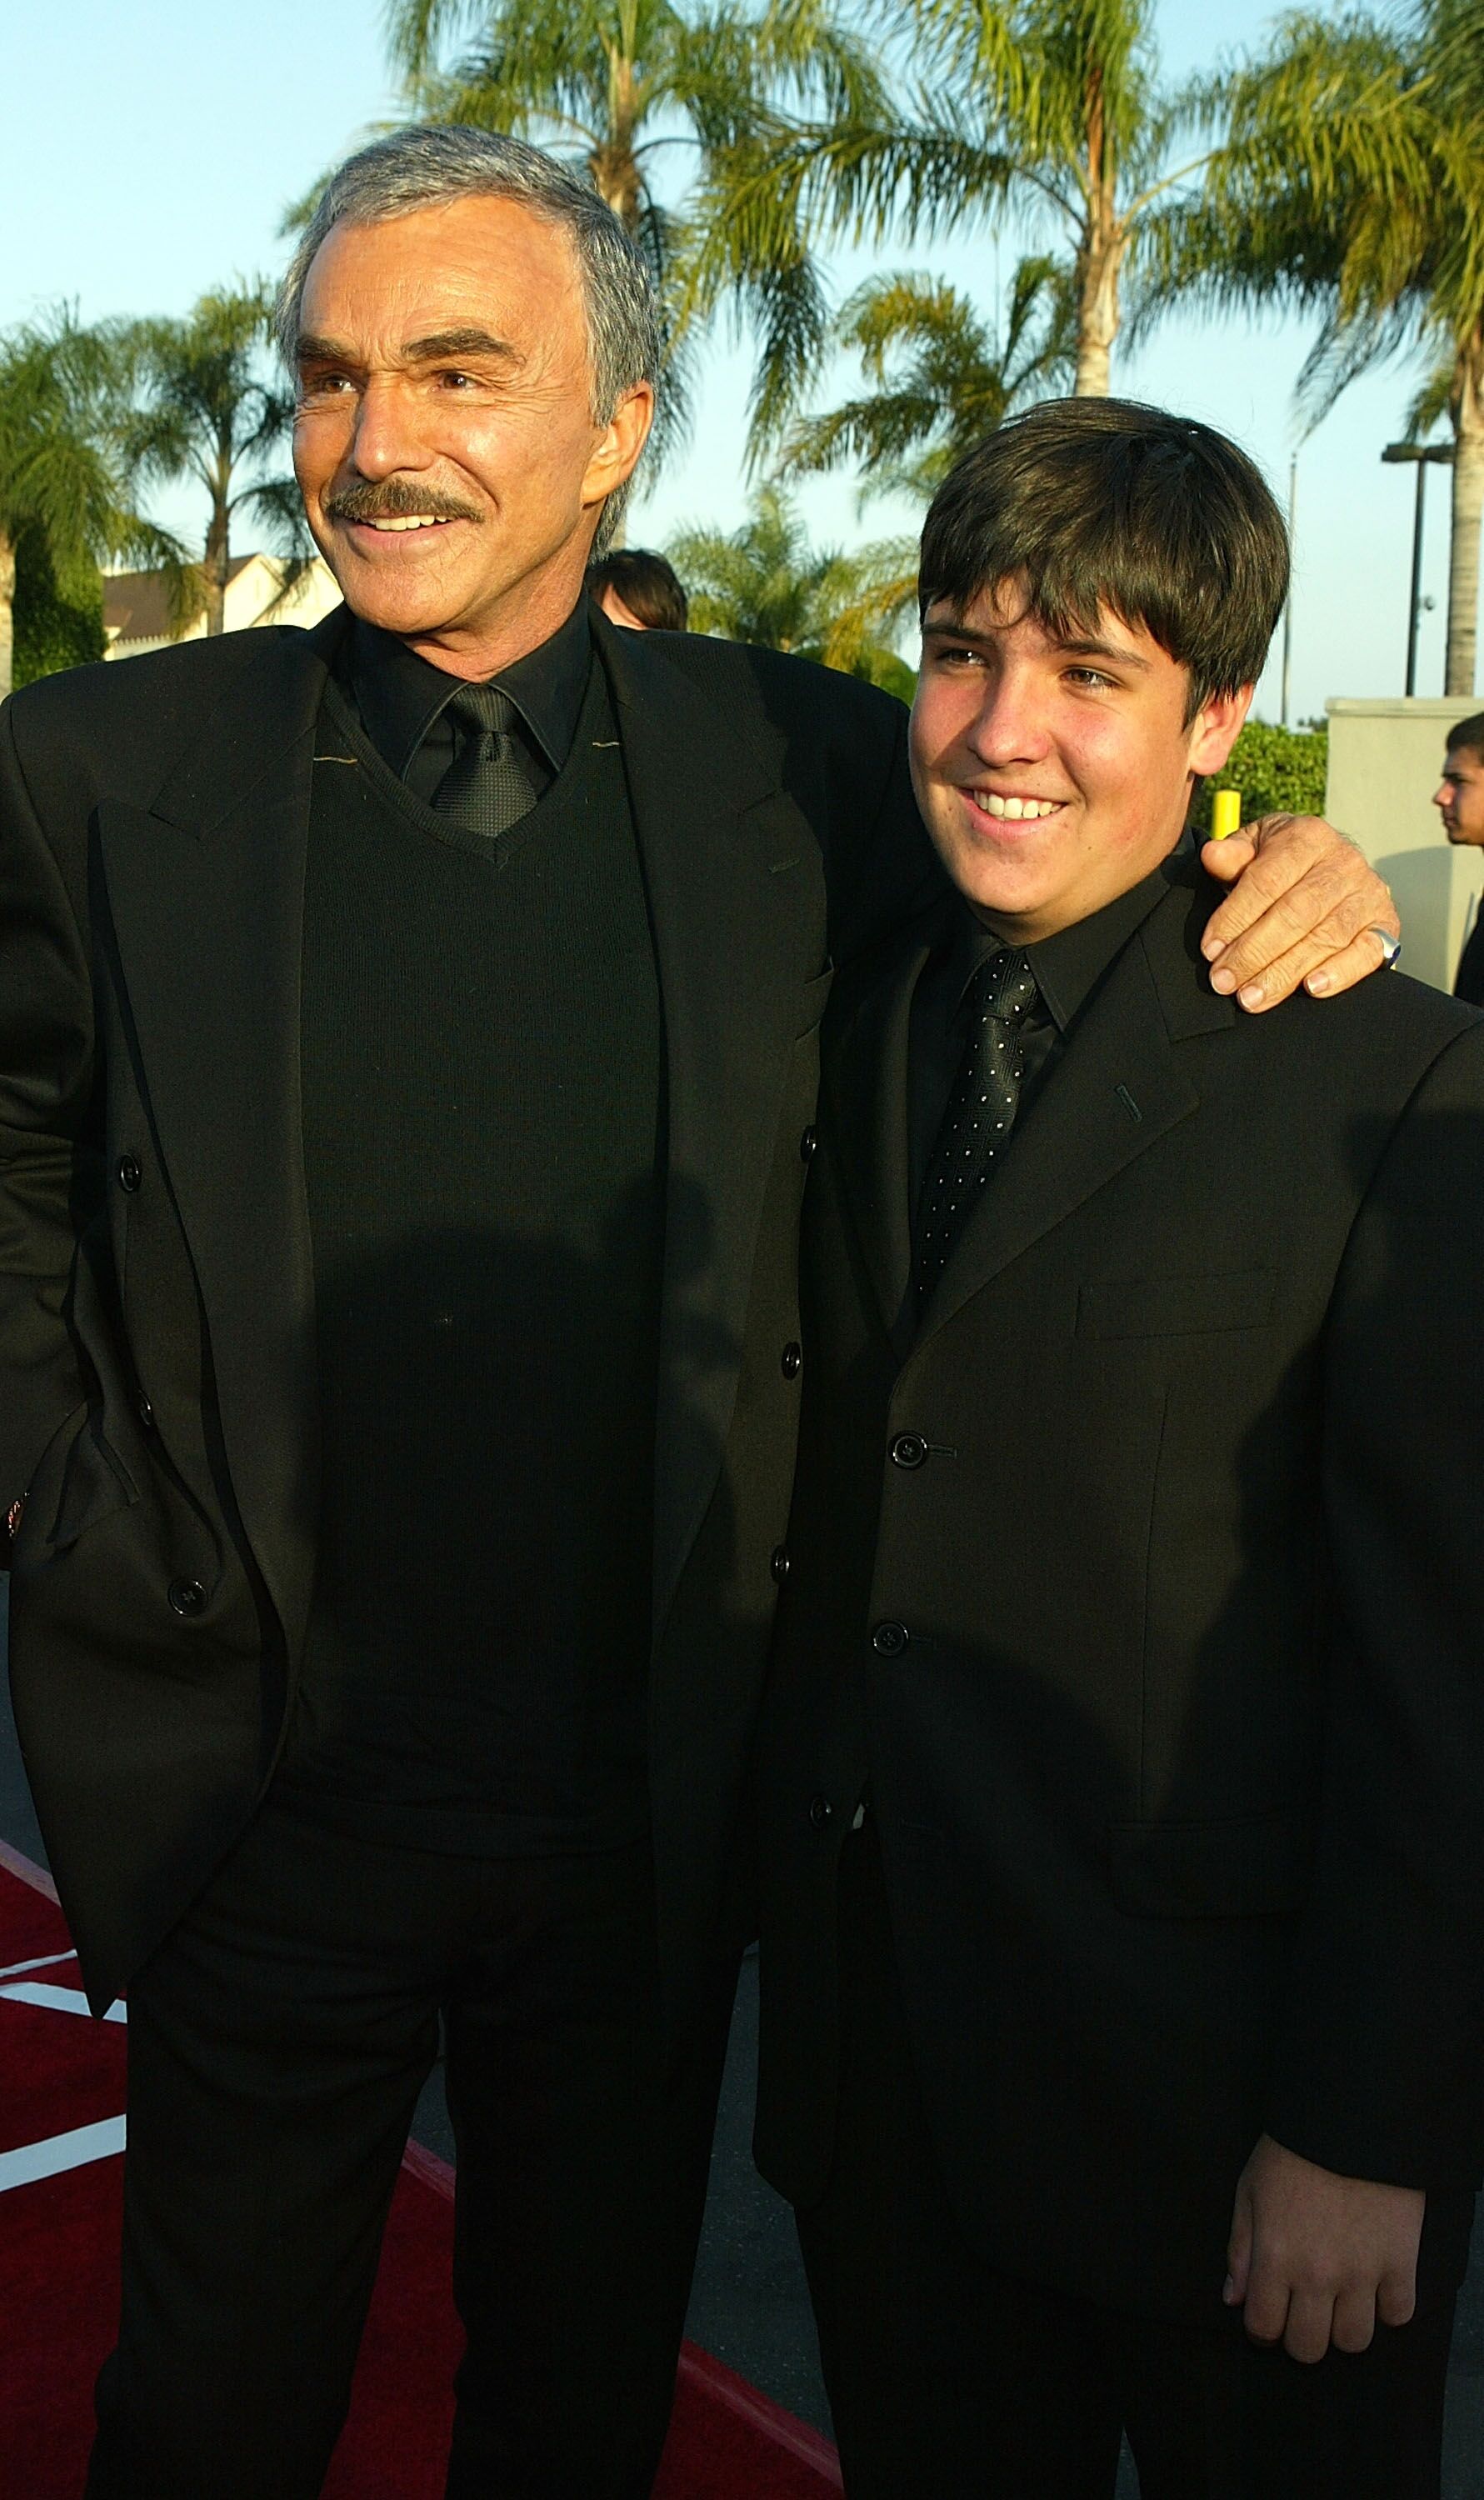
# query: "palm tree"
1051 105
943 381
63 490
207 413
633 92
764 583
1354 186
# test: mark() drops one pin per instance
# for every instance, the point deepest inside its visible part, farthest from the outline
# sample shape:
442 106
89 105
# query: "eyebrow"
1087 648
311 350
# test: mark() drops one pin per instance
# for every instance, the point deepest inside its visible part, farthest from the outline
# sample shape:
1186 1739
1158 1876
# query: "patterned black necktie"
484 789
981 1109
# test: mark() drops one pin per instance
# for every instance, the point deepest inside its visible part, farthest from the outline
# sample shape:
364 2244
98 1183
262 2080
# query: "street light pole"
1422 453
1288 604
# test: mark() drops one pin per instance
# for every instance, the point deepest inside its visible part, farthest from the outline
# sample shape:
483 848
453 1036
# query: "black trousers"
278 2043
951 2382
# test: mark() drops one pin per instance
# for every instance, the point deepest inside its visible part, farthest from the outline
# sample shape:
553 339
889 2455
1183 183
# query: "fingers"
1355 2320
1265 2312
1227 860
1354 963
1293 940
1397 2297
1310 2323
1308 901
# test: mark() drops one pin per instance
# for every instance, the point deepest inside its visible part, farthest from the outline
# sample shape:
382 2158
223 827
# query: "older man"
407 1067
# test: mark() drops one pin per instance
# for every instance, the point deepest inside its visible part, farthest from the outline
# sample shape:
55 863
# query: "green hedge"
51 632
1275 770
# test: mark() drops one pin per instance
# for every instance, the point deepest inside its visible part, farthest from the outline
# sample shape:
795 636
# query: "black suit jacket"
1469 984
1164 1663
156 1354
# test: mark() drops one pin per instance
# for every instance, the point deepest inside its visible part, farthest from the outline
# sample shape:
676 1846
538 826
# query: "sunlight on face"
1053 775
1460 796
444 440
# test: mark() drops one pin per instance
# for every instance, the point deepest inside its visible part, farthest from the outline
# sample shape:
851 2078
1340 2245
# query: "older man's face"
444 441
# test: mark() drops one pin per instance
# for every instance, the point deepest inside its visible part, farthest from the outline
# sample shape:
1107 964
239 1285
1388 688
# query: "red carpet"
60 2075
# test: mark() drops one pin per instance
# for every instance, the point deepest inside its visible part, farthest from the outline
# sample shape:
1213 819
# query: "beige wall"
1385 760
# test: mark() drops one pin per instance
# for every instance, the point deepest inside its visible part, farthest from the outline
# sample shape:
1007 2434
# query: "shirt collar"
1068 966
400 694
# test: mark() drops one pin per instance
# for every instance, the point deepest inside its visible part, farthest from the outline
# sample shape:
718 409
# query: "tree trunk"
7 611
1467 412
1099 266
215 575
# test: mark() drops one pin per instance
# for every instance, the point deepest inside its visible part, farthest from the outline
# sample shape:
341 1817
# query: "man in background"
1459 798
637 589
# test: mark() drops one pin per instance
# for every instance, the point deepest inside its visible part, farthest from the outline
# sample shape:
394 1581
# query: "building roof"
136 606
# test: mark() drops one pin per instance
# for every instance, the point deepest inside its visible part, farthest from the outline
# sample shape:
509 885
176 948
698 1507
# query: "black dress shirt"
1068 968
403 699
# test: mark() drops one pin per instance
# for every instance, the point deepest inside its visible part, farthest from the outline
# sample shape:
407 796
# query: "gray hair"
424 165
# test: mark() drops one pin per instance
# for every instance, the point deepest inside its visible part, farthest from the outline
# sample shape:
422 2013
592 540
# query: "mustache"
396 499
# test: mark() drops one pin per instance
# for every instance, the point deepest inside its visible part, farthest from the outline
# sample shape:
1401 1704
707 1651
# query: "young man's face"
1458 797
1053 775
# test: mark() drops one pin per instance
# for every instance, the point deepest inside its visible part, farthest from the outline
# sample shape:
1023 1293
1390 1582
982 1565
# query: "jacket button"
187 1596
128 1173
821 1812
779 1564
146 1413
909 1450
793 1361
807 1144
889 1640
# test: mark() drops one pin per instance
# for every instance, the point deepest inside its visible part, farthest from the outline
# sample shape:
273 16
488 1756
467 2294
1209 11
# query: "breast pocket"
1177 1305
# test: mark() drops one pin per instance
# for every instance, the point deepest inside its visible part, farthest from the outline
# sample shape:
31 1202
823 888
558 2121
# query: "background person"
1459 802
637 589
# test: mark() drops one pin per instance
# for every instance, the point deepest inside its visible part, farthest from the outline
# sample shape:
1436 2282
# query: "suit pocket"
77 1483
811 1002
1243 1867
1177 1305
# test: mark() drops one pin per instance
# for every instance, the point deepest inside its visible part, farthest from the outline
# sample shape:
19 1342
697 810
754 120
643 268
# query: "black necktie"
981 1109
484 789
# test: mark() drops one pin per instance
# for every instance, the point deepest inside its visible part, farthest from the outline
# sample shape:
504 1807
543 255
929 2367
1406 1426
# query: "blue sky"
150 150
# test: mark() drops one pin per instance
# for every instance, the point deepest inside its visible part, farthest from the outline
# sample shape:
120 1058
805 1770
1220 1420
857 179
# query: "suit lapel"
865 1083
736 897
1117 1088
206 897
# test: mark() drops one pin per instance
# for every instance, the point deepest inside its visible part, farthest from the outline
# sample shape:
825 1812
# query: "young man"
1123 1766
1459 798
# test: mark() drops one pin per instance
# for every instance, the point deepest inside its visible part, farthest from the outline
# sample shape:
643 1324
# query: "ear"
618 446
1213 731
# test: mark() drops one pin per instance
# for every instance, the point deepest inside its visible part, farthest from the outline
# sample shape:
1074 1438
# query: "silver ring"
1391 950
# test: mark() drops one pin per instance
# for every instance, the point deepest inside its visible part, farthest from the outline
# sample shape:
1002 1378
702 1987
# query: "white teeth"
1014 811
419 521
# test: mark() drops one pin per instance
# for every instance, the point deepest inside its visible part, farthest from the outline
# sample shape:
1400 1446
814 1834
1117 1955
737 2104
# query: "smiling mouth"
1013 812
389 527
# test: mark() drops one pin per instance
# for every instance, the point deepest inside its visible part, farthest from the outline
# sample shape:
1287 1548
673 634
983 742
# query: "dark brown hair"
649 585
1101 503
1468 733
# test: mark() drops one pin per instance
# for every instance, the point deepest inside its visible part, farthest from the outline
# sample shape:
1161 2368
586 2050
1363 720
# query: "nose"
1010 726
1442 796
386 437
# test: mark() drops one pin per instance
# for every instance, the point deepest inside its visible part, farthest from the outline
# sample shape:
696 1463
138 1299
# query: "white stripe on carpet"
58 2153
62 2001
